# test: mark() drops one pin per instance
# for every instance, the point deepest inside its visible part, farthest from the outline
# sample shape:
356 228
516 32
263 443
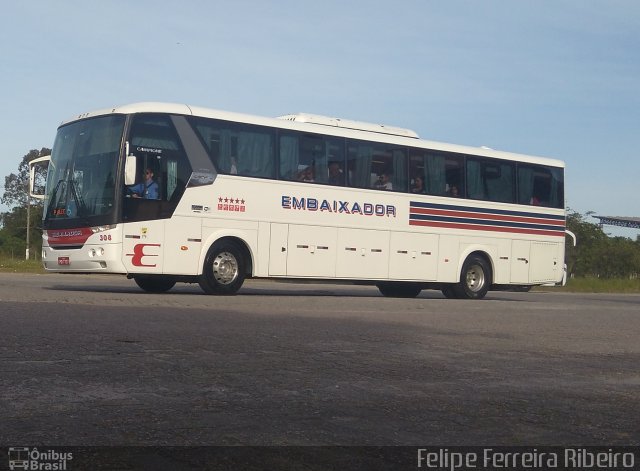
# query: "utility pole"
26 253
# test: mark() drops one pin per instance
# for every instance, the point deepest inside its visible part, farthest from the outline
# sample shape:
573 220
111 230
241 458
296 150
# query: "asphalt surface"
92 360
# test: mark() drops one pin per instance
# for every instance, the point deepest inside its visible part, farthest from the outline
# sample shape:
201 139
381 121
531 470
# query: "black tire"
475 278
223 272
155 284
449 292
399 289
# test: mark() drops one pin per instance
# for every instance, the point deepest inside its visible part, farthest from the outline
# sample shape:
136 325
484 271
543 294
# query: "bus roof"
311 123
348 124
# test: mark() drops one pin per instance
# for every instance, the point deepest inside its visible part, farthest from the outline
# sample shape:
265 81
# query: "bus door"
545 265
279 234
162 171
302 251
311 251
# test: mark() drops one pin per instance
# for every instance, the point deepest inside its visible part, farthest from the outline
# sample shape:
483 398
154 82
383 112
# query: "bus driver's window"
160 165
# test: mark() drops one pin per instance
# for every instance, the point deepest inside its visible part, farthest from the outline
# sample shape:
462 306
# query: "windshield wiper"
54 193
77 197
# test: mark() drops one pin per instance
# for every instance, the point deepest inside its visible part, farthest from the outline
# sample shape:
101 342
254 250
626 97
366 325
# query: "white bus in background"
297 197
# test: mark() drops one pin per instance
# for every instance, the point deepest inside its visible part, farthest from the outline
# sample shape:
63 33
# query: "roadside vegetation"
598 263
596 285
13 265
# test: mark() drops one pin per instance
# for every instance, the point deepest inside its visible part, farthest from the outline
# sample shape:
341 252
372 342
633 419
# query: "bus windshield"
82 173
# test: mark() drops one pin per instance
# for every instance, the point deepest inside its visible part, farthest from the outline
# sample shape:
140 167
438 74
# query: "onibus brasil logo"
33 459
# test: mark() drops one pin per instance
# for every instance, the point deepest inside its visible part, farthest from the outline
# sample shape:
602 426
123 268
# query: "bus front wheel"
155 284
399 289
223 270
475 278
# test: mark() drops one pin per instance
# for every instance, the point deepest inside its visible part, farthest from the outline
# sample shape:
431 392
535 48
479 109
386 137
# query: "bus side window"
311 158
540 186
376 165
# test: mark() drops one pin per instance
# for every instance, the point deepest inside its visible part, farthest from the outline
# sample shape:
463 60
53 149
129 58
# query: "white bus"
296 197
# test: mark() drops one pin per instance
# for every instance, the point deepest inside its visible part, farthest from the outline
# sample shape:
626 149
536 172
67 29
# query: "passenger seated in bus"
417 184
306 175
453 191
384 182
336 177
147 189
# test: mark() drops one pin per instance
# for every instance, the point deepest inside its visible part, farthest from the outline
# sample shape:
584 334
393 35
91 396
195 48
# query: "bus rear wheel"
399 289
475 278
155 284
223 270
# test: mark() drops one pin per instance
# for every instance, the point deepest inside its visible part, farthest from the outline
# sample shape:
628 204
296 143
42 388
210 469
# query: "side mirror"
130 166
41 163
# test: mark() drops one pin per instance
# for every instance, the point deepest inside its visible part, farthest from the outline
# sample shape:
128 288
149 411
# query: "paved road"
91 360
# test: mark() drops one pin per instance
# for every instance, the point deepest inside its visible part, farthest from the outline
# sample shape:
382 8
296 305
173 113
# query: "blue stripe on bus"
418 204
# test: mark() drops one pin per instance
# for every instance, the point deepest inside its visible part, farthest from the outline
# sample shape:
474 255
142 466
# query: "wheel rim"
475 278
225 268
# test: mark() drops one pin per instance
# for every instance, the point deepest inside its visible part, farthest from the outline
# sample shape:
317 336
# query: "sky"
551 78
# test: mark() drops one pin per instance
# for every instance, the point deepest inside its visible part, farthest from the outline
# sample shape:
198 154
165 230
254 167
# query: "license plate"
64 261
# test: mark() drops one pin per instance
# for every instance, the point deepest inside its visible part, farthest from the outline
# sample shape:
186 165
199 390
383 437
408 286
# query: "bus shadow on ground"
344 291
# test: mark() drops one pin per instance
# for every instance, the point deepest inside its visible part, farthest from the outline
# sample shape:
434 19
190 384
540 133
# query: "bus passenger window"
307 157
430 168
376 165
540 186
237 148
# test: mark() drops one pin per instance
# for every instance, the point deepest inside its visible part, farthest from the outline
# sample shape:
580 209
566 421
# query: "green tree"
16 196
598 255
16 185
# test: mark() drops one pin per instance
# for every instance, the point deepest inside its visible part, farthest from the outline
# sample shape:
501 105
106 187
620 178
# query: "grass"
15 265
598 285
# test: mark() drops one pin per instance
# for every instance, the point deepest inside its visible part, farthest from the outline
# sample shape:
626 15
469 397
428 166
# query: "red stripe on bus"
497 217
453 225
68 236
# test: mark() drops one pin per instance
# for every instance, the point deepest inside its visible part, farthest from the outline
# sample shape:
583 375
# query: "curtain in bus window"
525 185
436 181
362 176
289 157
254 154
399 178
226 161
556 198
321 164
172 177
500 186
475 184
